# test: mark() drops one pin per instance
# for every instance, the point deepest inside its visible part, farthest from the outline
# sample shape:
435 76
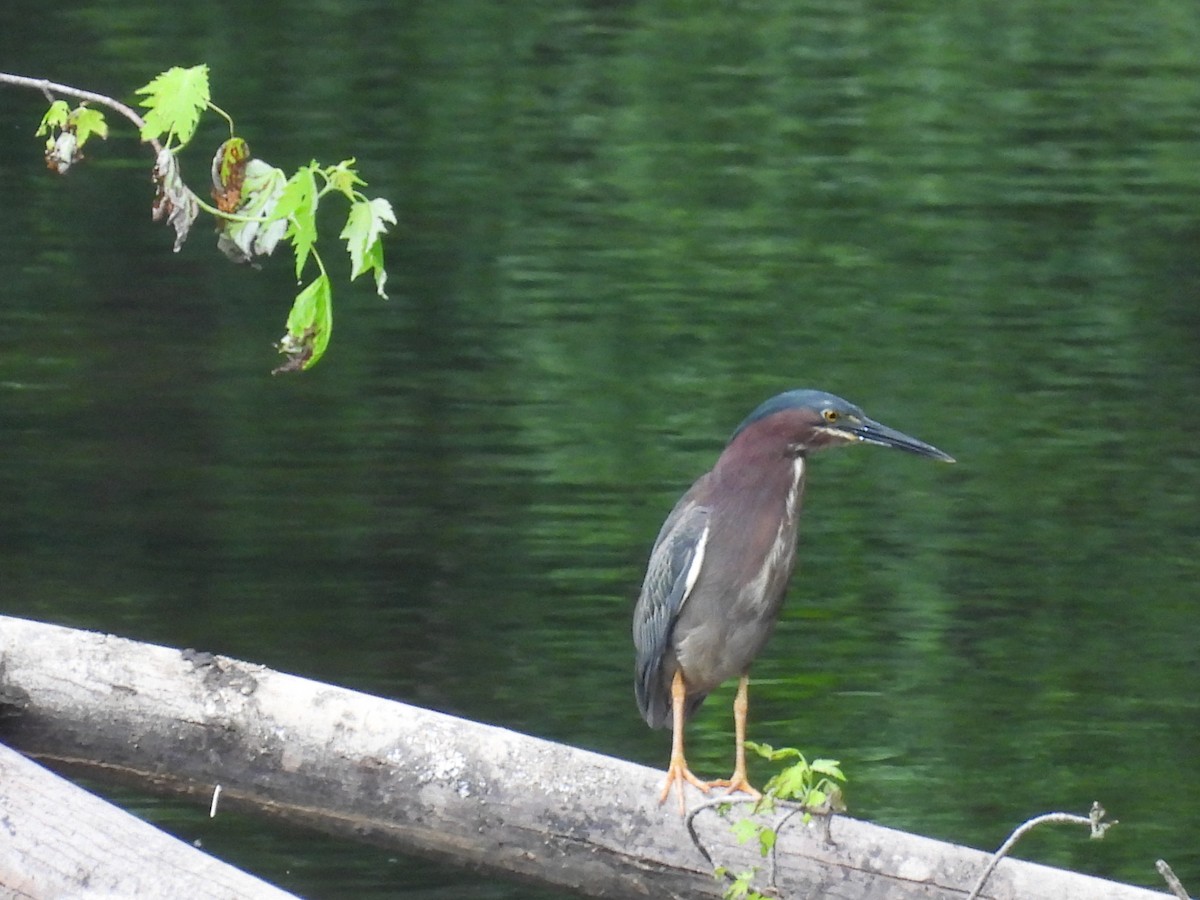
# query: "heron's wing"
671 574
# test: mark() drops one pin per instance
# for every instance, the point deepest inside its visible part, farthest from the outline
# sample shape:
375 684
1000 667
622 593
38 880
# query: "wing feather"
675 564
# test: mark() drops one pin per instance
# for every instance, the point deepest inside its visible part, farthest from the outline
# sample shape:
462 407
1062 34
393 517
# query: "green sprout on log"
813 786
256 205
801 788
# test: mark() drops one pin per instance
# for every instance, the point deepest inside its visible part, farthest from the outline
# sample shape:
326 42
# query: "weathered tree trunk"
423 782
57 840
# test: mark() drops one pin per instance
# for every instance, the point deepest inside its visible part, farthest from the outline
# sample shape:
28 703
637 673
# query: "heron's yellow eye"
831 415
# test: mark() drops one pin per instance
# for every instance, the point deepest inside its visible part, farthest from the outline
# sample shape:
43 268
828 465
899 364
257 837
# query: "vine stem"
50 88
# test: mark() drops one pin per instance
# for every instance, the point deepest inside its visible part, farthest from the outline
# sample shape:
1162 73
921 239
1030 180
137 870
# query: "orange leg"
738 780
677 771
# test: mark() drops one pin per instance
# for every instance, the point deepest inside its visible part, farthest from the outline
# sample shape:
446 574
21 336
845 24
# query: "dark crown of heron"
826 407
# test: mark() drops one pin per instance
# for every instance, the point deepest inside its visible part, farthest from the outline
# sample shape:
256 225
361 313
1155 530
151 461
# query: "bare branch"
1172 880
50 88
1094 820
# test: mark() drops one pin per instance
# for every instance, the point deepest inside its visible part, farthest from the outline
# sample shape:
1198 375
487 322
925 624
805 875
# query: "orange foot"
678 773
737 782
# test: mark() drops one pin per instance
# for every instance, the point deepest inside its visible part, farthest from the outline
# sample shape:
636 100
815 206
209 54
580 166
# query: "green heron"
721 564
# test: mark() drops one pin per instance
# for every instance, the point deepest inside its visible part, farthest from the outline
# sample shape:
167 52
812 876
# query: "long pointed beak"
873 432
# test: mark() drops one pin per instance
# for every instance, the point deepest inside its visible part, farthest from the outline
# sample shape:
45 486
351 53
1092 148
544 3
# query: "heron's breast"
732 609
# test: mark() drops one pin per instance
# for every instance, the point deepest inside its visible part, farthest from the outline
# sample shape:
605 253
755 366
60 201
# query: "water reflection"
621 230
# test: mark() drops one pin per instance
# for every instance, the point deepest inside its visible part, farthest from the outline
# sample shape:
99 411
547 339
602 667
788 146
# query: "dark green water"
622 226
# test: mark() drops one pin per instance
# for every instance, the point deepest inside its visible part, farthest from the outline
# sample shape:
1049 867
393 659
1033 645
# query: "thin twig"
792 810
690 820
1172 880
50 88
1093 821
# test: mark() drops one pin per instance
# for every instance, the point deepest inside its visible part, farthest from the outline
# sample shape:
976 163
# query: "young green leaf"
367 222
830 767
344 178
55 117
744 829
309 326
768 752
792 782
175 100
298 204
741 886
86 122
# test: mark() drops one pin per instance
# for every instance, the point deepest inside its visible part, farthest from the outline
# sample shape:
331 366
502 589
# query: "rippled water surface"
621 227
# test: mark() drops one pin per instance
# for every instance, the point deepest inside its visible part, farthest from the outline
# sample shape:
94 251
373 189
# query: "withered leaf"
173 200
62 152
299 351
260 231
228 174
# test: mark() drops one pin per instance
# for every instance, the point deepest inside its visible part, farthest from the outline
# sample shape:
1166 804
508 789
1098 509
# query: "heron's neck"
795 494
778 477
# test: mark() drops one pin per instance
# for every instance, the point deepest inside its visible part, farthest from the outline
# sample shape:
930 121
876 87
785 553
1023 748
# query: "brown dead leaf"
62 153
173 200
229 173
297 349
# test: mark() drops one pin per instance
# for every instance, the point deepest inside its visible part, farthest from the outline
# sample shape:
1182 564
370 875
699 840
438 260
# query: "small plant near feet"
813 786
801 788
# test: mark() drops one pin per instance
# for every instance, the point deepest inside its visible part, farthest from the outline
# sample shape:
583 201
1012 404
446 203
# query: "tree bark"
422 782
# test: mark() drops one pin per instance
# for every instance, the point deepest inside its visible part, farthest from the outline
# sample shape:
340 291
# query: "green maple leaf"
366 224
86 122
298 204
175 100
309 326
55 117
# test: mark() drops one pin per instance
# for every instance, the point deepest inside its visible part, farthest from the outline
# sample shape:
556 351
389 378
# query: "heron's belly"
721 647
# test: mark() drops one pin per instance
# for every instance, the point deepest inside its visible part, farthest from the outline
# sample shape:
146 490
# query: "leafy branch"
256 205
799 789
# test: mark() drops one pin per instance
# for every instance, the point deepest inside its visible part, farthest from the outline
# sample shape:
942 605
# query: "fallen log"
58 840
423 782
